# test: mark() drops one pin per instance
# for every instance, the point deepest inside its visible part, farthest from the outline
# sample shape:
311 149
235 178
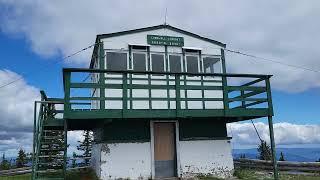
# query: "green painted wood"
273 149
53 122
196 129
127 85
67 81
254 82
269 96
247 99
34 140
224 82
125 131
243 105
245 95
101 75
245 88
65 148
166 114
165 40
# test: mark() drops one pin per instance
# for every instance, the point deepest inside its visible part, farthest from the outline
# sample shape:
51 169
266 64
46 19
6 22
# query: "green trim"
121 141
205 138
101 75
166 73
269 96
125 131
165 40
273 149
202 129
224 82
166 114
240 113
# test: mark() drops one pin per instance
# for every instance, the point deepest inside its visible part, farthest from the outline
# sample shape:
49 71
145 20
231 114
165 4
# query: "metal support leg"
65 149
35 135
273 148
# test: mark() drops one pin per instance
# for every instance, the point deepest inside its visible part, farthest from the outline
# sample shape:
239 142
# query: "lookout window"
116 61
211 65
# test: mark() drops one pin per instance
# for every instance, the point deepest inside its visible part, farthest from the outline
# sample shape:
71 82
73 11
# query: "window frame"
115 51
140 51
164 60
211 56
193 55
181 61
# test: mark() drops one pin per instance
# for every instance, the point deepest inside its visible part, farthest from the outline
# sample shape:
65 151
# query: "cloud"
243 134
281 30
16 102
16 109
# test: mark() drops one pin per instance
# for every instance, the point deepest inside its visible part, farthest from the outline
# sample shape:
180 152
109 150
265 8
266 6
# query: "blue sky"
35 35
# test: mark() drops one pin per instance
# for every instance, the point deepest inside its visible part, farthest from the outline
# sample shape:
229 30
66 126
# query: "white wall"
205 157
126 160
96 158
133 160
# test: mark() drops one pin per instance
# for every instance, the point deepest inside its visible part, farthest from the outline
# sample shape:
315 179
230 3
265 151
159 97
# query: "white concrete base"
205 157
133 160
125 160
96 158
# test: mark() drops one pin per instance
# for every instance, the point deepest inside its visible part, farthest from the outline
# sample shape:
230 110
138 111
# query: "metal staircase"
50 140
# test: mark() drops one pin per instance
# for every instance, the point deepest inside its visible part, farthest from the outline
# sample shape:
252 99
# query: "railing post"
243 102
124 94
178 97
149 92
269 97
101 76
34 138
273 148
224 83
65 148
67 81
272 142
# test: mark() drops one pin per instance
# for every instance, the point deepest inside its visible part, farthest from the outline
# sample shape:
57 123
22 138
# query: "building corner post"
273 149
224 83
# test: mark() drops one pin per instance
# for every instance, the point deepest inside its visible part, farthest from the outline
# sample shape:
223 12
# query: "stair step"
61 149
54 122
50 167
46 163
49 143
52 146
50 156
50 171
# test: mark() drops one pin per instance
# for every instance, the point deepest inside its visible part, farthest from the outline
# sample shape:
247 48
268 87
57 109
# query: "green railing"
44 110
123 94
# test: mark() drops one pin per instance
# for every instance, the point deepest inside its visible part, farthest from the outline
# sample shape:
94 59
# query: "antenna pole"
165 17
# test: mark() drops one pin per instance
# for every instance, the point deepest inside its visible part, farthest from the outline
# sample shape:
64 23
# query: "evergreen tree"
85 146
281 157
318 160
21 160
5 165
74 160
242 156
264 151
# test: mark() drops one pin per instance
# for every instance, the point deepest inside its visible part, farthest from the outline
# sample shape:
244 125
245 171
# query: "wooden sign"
165 40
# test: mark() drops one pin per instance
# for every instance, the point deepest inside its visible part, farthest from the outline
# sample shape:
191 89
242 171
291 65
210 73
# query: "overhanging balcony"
105 94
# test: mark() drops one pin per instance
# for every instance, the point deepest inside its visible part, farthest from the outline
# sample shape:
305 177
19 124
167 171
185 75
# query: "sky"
35 35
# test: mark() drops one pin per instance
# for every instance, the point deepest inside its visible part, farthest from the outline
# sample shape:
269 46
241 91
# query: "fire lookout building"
158 100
